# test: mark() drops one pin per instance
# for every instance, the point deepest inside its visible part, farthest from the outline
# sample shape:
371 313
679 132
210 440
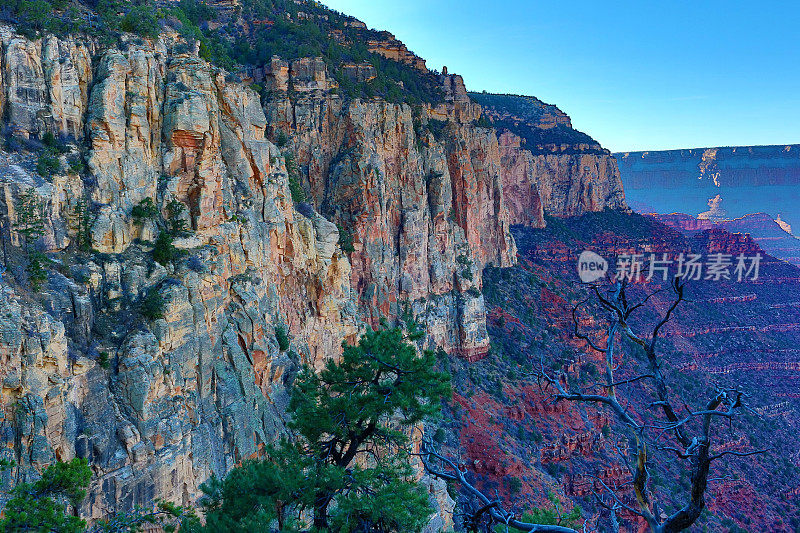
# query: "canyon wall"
158 404
551 167
201 388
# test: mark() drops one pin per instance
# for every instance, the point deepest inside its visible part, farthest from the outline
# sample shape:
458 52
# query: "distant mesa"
760 186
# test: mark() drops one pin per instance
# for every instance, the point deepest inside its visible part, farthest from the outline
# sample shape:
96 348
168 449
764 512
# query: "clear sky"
643 75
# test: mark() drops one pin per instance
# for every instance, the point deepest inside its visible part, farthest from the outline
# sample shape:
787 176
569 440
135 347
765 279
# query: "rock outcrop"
159 404
201 388
45 84
389 47
549 166
413 205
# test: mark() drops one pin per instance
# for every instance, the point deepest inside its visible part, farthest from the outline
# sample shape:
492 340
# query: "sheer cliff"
575 175
299 210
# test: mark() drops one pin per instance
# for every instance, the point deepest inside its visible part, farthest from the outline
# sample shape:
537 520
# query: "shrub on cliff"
293 171
282 337
345 239
30 225
144 210
152 305
349 469
48 164
164 252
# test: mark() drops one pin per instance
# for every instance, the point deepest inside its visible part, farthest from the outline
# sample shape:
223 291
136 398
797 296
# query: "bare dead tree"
488 512
663 425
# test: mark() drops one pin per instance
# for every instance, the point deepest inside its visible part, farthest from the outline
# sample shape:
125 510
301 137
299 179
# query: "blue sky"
634 75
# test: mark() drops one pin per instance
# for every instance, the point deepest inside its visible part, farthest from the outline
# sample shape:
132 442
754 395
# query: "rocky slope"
159 403
516 440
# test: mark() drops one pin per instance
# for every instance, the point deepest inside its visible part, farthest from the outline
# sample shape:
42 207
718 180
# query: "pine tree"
45 504
30 218
81 224
349 467
30 225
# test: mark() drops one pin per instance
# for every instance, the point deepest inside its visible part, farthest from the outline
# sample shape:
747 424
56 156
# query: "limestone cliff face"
45 83
550 166
573 184
158 405
198 390
426 216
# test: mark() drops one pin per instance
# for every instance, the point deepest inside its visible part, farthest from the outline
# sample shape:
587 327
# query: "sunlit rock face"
158 404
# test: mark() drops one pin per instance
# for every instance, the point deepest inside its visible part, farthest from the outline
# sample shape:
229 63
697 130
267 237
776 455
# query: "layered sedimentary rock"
389 47
560 184
44 84
158 404
413 205
197 390
745 179
573 184
550 166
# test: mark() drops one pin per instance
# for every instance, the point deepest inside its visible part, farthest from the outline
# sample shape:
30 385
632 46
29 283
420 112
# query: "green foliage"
30 217
175 221
33 15
103 361
144 210
30 225
293 170
197 11
153 305
37 274
414 330
164 252
281 139
142 21
350 467
437 128
81 224
76 165
49 140
42 505
483 122
345 239
168 516
48 164
282 337
550 516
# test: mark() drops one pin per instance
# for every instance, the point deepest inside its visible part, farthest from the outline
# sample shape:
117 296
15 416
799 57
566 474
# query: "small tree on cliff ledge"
349 467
